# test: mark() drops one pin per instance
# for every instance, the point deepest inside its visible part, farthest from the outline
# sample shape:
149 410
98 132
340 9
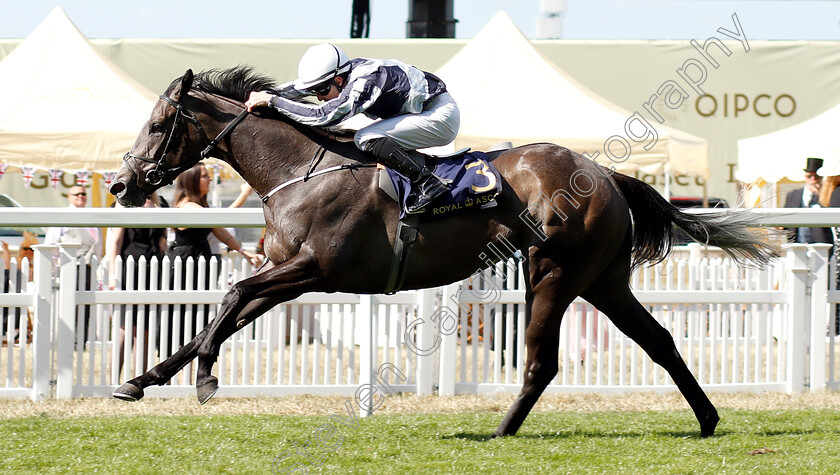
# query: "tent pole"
96 196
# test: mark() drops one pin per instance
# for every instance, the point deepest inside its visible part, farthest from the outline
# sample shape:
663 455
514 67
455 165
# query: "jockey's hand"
257 99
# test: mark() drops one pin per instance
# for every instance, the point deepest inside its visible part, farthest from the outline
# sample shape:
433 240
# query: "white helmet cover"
320 63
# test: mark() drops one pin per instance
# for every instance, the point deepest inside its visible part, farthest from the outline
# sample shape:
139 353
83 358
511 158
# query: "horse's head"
169 143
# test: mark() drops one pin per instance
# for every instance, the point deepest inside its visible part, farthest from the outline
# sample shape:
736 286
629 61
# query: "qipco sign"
737 105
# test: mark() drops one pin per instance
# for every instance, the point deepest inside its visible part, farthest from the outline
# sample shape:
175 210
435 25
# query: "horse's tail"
654 219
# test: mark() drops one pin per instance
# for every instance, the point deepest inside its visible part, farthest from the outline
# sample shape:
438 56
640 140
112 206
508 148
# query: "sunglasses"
27 248
321 89
78 194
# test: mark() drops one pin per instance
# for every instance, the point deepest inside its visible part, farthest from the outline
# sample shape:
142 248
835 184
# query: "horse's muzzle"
117 188
128 196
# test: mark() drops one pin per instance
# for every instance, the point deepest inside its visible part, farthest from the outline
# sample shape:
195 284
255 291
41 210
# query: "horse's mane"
237 83
234 83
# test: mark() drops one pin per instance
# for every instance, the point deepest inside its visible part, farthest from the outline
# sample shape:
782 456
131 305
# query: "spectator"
87 237
25 251
261 245
90 246
808 197
191 188
134 242
830 197
17 283
215 246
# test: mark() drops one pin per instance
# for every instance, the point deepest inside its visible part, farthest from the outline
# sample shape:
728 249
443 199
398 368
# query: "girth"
405 236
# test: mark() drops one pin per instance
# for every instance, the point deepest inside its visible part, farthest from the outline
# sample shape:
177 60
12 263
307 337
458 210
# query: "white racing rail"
738 329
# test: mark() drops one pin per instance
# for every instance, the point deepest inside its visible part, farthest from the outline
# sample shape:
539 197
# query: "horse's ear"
186 84
186 81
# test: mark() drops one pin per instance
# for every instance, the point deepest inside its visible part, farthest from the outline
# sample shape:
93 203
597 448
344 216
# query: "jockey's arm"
355 98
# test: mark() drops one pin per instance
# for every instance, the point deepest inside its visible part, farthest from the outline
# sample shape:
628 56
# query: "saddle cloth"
473 184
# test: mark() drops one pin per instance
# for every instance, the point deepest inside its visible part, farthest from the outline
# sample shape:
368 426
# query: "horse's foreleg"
247 300
236 313
162 372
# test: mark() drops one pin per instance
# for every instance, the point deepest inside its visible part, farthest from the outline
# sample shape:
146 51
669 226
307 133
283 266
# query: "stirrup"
426 197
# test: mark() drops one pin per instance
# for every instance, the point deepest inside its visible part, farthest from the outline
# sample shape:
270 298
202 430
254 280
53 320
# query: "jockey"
414 109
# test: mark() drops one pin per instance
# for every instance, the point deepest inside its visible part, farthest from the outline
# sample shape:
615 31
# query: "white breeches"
437 125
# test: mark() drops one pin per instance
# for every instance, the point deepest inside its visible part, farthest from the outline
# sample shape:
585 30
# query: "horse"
579 227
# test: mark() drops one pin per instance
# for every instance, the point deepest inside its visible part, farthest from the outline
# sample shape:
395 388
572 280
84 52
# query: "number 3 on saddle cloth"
473 184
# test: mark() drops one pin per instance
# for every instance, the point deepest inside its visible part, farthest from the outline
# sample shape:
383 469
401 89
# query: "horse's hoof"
707 426
496 435
128 392
207 389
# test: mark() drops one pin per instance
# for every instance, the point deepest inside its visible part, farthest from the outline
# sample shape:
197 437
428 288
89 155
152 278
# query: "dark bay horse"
571 219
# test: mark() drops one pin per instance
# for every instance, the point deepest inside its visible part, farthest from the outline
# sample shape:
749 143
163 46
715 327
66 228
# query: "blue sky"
585 19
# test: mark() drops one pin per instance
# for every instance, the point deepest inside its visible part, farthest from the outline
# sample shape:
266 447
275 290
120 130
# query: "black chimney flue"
360 22
430 19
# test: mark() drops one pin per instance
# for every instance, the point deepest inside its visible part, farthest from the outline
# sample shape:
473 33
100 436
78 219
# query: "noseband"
161 175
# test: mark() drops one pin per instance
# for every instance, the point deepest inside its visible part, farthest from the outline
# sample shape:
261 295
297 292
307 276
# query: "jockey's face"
333 91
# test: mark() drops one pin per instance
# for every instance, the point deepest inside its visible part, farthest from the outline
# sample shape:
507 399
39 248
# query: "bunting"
55 177
28 173
108 177
83 177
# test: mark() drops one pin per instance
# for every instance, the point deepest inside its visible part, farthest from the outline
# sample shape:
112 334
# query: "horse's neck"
270 152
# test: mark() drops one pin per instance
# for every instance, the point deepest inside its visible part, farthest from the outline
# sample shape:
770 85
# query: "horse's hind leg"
547 295
619 304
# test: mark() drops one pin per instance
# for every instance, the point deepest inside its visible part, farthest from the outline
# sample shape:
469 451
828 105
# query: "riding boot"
425 185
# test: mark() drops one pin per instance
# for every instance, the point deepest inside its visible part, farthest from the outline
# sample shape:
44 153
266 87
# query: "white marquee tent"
782 154
65 106
508 92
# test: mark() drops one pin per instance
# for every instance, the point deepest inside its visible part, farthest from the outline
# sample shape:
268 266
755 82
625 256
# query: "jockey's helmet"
319 64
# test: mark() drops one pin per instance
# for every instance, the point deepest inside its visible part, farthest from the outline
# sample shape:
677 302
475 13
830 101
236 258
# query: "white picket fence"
738 330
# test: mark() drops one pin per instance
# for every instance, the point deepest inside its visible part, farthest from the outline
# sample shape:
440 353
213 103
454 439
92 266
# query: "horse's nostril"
117 188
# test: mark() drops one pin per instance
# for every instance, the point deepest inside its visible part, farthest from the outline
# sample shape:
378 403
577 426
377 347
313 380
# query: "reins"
158 175
224 133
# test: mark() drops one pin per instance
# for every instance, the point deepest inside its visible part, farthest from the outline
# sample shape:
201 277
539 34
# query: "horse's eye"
157 128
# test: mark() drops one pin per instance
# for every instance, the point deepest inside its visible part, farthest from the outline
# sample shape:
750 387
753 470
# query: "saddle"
473 182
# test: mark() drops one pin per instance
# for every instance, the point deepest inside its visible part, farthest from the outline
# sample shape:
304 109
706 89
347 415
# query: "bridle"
161 175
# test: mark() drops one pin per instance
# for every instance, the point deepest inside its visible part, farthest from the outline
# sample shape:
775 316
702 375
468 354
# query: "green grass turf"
789 441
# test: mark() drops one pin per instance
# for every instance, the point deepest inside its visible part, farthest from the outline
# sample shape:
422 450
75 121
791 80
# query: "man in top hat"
808 197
